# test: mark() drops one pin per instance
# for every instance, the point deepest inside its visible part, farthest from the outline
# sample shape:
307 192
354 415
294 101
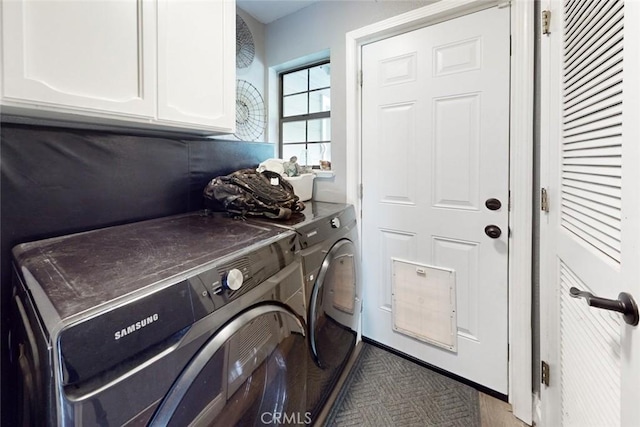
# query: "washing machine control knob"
335 222
233 279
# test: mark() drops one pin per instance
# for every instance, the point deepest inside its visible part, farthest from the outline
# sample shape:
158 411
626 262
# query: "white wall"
317 30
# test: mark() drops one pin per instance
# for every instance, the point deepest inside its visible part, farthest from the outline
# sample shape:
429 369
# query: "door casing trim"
521 162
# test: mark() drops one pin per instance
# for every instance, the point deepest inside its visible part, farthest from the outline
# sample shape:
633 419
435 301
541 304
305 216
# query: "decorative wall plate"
251 117
245 48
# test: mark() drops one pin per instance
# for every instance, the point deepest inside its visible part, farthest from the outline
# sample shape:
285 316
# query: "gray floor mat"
386 390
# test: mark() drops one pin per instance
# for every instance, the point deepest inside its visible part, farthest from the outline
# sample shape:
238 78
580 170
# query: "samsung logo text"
136 326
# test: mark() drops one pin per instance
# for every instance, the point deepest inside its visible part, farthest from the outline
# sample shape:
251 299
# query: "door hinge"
544 200
544 373
361 191
360 78
509 202
546 22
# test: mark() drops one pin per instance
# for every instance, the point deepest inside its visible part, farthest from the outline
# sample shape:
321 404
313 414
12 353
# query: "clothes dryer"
186 320
327 240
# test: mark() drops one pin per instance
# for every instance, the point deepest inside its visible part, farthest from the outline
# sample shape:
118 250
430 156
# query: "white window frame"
300 117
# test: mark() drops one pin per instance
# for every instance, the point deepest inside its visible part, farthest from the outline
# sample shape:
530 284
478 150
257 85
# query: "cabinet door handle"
625 304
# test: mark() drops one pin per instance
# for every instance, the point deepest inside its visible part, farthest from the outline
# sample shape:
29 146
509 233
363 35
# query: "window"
305 114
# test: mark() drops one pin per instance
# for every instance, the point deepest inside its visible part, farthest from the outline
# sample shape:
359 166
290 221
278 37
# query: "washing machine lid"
83 271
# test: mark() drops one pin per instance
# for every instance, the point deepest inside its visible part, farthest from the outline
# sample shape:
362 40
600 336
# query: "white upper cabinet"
79 54
146 63
195 40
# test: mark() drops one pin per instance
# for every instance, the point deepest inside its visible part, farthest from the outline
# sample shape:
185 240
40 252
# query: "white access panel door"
80 55
435 149
591 235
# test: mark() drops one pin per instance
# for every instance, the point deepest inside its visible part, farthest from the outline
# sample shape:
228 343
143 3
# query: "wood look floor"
496 413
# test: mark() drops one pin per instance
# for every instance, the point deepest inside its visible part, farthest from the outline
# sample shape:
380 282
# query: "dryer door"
250 373
333 318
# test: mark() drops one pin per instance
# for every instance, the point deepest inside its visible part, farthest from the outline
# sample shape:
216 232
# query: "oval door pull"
493 204
625 304
493 231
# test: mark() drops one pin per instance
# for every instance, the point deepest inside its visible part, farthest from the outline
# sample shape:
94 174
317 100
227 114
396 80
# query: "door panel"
84 55
590 138
193 86
435 147
396 244
396 188
463 257
456 143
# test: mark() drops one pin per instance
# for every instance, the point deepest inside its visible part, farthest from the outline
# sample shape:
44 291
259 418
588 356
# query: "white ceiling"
267 11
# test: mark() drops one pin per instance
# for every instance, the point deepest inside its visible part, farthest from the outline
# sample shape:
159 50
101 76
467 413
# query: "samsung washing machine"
187 320
326 244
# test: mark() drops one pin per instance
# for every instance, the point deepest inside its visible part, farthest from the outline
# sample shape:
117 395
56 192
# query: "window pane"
320 76
294 82
298 150
319 130
317 152
319 101
306 92
295 105
294 131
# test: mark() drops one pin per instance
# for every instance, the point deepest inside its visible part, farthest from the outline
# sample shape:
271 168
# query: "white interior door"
435 149
591 236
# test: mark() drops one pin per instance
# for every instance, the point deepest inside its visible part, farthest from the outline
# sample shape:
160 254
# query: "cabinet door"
196 63
79 55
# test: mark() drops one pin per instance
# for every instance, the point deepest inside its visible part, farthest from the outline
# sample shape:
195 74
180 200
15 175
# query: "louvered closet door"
591 240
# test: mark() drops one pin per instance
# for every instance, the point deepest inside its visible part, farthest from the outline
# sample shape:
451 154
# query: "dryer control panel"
228 280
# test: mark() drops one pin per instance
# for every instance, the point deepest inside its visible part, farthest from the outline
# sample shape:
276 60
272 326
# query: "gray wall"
312 32
254 73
